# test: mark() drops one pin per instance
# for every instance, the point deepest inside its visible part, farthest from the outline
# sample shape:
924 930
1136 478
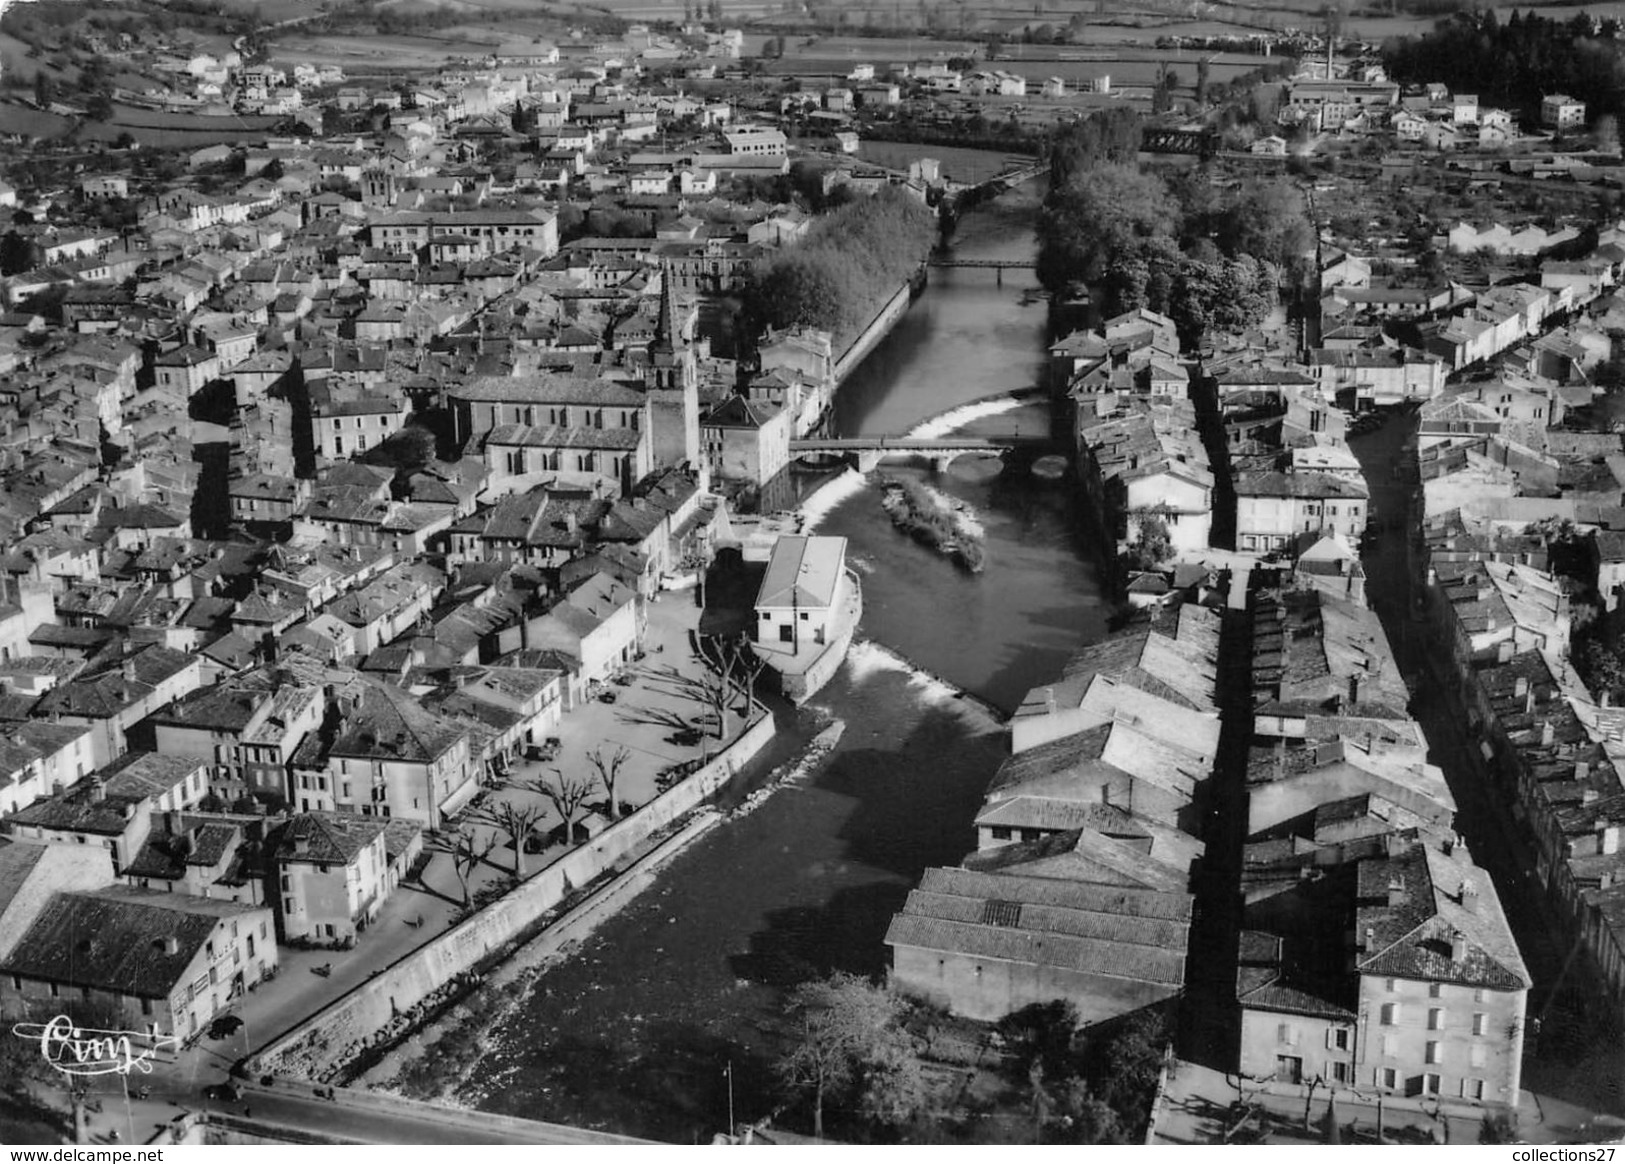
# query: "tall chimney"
1547 733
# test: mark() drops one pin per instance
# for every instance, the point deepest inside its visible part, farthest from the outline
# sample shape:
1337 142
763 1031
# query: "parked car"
229 1092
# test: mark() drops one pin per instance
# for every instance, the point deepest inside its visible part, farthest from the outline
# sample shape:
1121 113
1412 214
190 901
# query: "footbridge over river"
868 452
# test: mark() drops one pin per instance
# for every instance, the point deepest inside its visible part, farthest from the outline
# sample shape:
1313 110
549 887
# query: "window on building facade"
1435 1052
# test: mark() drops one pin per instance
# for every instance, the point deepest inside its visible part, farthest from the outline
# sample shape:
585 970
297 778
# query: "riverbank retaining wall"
337 1032
877 330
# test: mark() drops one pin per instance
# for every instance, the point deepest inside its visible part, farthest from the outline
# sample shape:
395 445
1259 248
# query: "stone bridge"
868 452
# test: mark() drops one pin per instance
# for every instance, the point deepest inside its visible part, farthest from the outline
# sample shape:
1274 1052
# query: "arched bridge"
868 452
1204 142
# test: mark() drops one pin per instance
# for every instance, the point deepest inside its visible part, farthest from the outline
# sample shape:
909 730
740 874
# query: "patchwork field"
958 164
32 122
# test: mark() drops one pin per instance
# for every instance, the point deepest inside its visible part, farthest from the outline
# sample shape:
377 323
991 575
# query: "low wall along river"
338 1033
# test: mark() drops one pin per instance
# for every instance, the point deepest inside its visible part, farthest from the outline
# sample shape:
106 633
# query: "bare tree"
750 666
713 688
609 773
516 817
731 665
568 794
466 853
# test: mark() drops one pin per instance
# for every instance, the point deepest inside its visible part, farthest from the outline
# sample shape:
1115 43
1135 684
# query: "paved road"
359 1118
343 1119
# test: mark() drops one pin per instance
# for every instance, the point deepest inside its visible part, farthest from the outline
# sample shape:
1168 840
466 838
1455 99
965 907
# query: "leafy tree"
1105 136
1152 548
1099 217
17 254
1268 221
1079 1116
1133 1062
1042 1035
1227 295
1605 132
850 259
849 1043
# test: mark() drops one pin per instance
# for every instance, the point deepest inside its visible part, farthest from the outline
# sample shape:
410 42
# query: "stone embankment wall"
338 1032
875 332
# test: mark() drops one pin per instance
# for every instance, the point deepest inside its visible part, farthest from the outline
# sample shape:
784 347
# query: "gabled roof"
327 838
1109 931
389 724
115 940
1412 910
802 572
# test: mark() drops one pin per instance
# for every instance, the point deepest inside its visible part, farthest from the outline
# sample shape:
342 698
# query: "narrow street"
1210 1021
1394 594
1568 1054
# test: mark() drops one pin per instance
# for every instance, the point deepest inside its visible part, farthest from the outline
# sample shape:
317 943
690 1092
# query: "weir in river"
635 1031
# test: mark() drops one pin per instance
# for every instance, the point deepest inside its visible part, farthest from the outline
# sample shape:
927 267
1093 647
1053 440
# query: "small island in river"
933 520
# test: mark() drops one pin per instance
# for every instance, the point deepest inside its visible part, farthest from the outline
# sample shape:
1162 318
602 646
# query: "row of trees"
851 260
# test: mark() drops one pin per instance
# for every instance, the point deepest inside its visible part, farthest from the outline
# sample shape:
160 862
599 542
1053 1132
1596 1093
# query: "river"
636 1032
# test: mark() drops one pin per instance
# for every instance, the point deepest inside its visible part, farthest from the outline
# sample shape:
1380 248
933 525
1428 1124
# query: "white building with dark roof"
333 874
167 963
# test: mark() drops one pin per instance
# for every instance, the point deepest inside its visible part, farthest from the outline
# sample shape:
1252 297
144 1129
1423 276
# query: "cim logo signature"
75 1050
